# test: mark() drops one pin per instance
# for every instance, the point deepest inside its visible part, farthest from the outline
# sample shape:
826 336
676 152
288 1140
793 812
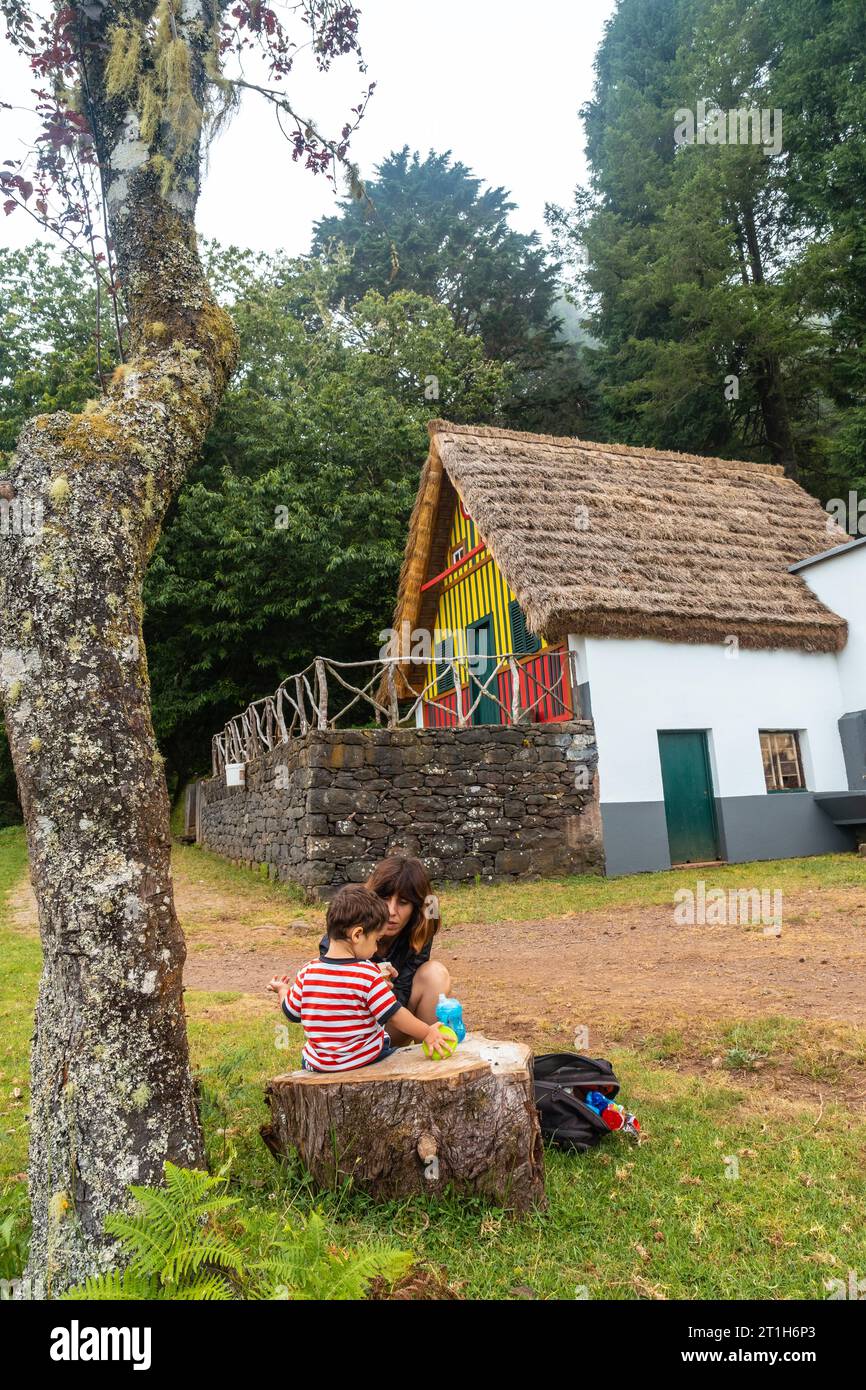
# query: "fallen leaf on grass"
647 1290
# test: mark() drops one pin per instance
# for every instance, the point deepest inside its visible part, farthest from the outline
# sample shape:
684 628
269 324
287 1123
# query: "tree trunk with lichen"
112 1094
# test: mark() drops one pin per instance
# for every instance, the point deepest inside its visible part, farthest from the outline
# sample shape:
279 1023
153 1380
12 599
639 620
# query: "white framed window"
783 760
457 554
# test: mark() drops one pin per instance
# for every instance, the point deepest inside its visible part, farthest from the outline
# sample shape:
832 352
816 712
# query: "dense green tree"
820 83
430 227
287 537
287 541
712 271
48 338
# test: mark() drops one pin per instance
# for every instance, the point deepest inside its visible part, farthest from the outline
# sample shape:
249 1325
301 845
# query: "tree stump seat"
407 1125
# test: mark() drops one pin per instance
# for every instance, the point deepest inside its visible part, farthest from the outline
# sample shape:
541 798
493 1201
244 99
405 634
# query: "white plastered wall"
641 686
840 583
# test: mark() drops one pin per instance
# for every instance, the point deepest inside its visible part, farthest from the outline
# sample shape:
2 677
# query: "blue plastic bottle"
450 1012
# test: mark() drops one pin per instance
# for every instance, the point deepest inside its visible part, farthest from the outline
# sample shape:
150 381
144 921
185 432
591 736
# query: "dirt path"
632 964
560 972
621 974
21 907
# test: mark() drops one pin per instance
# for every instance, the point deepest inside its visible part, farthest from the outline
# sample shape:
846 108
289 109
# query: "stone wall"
499 802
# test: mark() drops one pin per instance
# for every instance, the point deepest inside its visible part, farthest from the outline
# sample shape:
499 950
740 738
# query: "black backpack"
561 1080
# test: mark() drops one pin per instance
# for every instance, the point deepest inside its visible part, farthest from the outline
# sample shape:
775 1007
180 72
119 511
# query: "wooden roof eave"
424 543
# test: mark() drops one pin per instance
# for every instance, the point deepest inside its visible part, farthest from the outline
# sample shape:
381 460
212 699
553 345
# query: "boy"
342 999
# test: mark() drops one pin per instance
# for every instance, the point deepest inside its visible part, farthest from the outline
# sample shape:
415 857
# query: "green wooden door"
482 665
688 787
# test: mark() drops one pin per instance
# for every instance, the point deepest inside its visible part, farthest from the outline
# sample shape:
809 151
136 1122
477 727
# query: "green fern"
166 1236
305 1264
174 1248
116 1285
120 1286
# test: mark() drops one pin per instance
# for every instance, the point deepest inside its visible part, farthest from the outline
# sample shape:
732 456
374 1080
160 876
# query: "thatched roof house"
697 609
611 540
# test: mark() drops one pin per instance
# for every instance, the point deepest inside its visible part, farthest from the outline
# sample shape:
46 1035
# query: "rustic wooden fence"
306 701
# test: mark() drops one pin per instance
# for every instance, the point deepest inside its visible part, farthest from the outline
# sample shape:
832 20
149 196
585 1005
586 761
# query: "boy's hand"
387 969
278 982
435 1041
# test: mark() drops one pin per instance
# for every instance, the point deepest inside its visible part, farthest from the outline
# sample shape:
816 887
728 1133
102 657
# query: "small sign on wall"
236 774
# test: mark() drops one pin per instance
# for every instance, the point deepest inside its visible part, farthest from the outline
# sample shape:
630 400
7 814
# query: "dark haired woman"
404 948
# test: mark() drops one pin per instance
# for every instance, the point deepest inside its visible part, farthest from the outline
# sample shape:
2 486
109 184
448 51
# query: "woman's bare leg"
431 980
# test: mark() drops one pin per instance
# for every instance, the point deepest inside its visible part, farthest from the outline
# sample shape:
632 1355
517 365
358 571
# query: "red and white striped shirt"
341 1006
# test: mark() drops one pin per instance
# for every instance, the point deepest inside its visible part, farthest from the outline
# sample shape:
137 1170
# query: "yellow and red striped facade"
471 591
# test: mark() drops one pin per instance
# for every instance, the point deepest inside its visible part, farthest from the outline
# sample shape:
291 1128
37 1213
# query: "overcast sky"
498 82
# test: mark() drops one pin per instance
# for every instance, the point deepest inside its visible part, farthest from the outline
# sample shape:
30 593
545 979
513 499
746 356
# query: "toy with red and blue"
614 1116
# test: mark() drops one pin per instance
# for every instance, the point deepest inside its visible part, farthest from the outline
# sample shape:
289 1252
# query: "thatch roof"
675 546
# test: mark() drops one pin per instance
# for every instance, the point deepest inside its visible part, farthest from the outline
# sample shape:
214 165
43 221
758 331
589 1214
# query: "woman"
404 948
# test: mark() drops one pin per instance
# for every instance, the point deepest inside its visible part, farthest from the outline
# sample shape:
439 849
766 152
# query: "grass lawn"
664 1220
551 897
